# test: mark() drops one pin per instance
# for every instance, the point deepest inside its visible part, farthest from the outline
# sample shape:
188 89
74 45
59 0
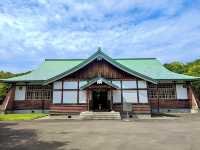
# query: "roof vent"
99 58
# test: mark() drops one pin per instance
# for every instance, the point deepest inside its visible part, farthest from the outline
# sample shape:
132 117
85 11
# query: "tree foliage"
4 86
191 68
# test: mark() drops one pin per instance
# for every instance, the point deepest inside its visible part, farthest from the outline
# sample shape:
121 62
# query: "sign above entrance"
99 81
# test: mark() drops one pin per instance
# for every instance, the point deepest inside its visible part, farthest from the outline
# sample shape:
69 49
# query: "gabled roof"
100 55
99 80
149 69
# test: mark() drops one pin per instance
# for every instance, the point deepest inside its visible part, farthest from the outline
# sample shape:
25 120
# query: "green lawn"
14 117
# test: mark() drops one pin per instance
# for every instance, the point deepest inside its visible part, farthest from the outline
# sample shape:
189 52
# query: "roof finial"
99 49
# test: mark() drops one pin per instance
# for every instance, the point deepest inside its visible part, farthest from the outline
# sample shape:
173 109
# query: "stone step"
57 113
100 115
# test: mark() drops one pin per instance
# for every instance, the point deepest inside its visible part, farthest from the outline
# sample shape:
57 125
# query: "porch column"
88 100
8 102
192 99
111 101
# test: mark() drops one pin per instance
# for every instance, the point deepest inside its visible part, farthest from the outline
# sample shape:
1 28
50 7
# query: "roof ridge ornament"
99 81
99 54
99 49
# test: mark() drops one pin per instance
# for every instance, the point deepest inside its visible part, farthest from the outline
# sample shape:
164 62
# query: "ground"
182 133
14 117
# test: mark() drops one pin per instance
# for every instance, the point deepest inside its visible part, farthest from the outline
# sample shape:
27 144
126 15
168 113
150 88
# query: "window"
70 97
35 92
20 93
70 92
130 96
116 96
70 85
129 84
165 91
181 90
20 88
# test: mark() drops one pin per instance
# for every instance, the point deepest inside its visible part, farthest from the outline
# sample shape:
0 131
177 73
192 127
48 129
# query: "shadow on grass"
164 115
23 139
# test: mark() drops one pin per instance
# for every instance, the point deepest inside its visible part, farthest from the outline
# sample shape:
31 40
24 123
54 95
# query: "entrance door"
100 101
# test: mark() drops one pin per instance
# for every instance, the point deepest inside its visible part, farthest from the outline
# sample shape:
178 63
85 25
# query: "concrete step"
57 113
100 115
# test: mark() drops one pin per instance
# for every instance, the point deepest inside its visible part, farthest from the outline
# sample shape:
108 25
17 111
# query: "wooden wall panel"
100 68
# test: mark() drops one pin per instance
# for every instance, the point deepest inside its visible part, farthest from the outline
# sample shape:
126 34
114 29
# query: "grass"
15 117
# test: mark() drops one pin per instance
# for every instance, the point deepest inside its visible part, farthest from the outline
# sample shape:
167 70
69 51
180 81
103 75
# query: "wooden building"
101 83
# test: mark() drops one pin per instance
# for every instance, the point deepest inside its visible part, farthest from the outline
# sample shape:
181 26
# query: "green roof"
149 69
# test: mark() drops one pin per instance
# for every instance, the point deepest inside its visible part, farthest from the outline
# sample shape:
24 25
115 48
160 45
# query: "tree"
176 66
191 68
4 86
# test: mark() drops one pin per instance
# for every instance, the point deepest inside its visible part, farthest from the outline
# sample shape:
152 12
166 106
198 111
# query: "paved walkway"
181 133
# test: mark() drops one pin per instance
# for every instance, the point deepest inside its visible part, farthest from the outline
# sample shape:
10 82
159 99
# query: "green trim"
91 82
82 59
100 55
134 58
24 81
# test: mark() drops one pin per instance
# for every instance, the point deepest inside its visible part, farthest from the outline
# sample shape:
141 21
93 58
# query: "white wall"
181 91
70 85
143 97
117 83
20 92
57 85
70 97
82 96
129 84
82 83
57 97
130 96
142 84
116 96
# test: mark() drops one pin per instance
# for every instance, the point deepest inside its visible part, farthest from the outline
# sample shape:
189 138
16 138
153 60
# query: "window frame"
163 91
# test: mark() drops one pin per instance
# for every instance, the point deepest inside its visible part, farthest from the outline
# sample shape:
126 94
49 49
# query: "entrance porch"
100 100
100 95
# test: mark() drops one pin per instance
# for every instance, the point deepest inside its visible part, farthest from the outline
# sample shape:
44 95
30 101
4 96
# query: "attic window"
20 88
99 58
184 86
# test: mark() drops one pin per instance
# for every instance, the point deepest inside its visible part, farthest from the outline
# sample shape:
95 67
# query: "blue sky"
33 30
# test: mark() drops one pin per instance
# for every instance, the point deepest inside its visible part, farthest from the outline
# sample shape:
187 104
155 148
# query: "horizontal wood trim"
65 89
31 104
68 108
68 104
175 104
155 99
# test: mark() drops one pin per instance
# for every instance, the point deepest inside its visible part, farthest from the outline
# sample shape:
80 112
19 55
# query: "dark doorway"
100 101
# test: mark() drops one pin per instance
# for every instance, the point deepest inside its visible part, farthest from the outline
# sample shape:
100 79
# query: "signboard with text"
127 107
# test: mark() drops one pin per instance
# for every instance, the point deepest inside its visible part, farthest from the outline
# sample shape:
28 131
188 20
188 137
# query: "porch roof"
99 80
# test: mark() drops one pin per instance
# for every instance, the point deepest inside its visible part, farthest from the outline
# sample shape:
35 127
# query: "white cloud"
33 30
